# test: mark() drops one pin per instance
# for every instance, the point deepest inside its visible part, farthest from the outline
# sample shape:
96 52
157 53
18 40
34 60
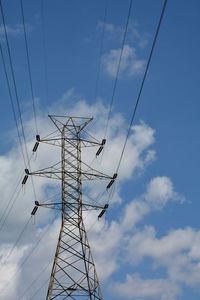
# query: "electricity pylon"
73 273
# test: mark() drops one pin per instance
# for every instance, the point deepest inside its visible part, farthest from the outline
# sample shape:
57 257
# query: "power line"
14 81
29 67
34 281
101 50
12 200
118 67
18 239
12 103
44 50
143 81
16 94
38 242
39 289
28 256
8 210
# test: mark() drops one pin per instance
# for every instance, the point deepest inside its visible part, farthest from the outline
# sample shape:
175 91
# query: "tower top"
69 121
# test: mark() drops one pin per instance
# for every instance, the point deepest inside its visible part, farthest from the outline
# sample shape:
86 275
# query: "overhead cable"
101 50
12 201
9 206
118 67
29 66
12 103
18 239
14 80
142 84
40 288
34 281
27 257
44 50
16 94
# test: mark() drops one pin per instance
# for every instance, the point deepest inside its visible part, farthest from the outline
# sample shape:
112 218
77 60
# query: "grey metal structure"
73 273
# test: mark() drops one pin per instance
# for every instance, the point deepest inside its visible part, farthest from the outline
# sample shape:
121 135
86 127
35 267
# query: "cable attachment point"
101 147
37 204
27 171
34 210
25 179
103 211
112 181
37 143
26 176
35 146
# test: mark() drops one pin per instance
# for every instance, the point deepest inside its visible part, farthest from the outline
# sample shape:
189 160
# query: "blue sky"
154 215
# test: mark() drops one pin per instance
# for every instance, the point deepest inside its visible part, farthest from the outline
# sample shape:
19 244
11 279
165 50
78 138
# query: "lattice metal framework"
73 273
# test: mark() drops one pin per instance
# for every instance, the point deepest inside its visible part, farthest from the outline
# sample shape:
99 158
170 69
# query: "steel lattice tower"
73 273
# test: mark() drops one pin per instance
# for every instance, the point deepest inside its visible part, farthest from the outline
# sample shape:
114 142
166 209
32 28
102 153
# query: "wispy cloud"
14 31
160 190
132 63
115 33
109 253
130 66
176 252
134 287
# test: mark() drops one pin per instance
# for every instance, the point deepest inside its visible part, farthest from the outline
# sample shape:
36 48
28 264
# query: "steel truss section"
73 273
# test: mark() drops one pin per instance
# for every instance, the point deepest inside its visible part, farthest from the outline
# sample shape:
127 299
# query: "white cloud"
173 251
130 65
134 213
160 190
7 271
14 31
139 147
107 250
177 252
136 288
15 269
115 33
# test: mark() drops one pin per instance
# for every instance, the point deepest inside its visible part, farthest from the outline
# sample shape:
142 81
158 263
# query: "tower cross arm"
57 141
95 175
57 174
